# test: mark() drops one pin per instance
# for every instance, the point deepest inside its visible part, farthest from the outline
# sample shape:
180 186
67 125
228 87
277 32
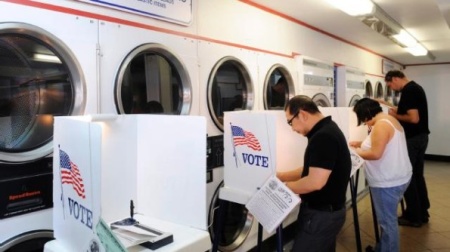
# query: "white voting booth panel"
347 121
158 161
247 168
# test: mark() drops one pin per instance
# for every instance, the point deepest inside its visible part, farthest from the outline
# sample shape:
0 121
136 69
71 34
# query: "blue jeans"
385 202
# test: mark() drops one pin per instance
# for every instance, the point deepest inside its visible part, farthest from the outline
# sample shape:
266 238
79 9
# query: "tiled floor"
433 236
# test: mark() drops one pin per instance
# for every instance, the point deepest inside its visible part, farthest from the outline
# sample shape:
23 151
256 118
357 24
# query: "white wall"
245 26
435 81
242 24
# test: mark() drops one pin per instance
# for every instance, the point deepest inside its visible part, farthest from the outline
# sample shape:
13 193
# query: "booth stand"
256 145
104 162
347 122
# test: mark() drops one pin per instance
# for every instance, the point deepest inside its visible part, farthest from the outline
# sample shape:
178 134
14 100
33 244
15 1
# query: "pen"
131 209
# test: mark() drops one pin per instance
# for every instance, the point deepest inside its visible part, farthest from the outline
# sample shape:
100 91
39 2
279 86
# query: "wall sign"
387 66
175 11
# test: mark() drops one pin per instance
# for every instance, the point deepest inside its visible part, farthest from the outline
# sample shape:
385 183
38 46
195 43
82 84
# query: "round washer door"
369 90
321 100
237 223
354 100
152 80
33 241
229 88
278 88
39 79
379 92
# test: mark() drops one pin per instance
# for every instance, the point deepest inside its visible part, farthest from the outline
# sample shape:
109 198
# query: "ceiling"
426 20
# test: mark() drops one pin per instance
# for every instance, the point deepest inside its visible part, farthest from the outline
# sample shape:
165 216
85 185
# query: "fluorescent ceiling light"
405 39
354 7
417 50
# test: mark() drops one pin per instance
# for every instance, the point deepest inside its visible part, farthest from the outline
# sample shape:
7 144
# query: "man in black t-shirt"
412 112
323 179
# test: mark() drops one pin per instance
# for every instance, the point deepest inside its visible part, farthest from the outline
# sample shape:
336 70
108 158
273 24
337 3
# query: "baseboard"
437 158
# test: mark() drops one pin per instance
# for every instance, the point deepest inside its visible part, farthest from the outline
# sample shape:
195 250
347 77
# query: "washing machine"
316 80
228 82
379 88
389 95
350 83
47 69
148 71
356 87
277 75
368 88
396 98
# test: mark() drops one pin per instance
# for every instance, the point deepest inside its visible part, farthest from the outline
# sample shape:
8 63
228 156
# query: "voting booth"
256 145
103 162
259 143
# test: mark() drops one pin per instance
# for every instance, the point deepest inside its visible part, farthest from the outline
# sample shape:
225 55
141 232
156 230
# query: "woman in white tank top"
388 168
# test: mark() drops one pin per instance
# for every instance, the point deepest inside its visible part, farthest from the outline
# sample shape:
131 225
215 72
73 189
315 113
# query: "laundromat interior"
149 84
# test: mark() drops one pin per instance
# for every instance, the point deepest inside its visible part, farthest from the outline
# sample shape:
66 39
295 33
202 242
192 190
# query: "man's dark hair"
301 102
394 73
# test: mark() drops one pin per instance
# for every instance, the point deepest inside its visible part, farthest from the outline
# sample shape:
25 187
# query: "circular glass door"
152 80
321 100
396 98
237 223
38 80
369 90
229 89
379 92
389 95
354 100
33 241
278 88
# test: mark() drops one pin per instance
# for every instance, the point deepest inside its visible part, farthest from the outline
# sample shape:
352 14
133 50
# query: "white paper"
131 235
272 203
357 161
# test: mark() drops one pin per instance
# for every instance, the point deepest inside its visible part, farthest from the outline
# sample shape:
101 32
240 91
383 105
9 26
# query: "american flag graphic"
242 137
70 174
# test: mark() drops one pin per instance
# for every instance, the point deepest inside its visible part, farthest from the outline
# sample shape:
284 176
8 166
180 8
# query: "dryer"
45 71
278 77
149 71
356 87
350 84
227 77
316 80
369 88
379 88
389 95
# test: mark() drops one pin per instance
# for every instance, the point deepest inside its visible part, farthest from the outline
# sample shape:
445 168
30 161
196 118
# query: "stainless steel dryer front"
46 70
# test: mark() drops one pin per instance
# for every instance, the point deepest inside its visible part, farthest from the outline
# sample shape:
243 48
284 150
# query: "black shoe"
370 249
405 222
425 220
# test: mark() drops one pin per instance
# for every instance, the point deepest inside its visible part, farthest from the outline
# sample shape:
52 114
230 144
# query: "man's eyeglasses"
290 120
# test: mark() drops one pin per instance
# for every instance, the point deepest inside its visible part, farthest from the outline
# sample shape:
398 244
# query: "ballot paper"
137 234
272 203
357 161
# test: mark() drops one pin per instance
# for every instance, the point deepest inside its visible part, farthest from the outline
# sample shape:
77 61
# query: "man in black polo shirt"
323 179
412 112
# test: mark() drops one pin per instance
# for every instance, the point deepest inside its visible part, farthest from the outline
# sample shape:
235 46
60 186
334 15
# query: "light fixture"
354 8
378 20
417 50
405 39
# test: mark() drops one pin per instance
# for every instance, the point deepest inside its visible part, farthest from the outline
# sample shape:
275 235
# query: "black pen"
131 209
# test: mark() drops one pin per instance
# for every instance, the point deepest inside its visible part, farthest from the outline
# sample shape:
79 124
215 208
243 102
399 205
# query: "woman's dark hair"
366 109
301 102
